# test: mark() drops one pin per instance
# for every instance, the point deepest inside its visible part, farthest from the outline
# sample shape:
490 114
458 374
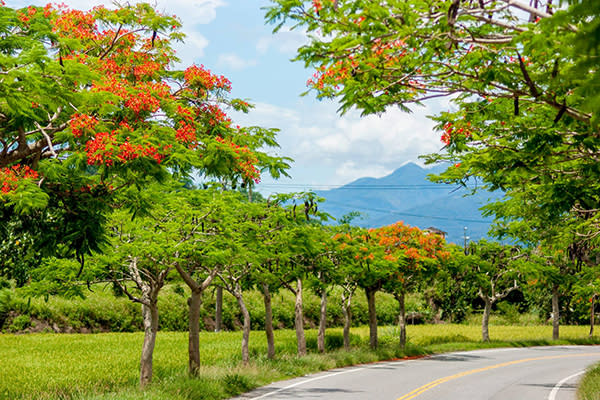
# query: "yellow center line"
430 385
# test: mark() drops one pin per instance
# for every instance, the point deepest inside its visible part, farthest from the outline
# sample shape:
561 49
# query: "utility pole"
466 238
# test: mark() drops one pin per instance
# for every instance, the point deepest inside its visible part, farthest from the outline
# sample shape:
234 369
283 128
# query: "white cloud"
286 41
350 171
196 11
234 62
191 49
333 150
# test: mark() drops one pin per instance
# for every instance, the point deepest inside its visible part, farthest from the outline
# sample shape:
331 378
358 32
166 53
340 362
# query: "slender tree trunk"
435 310
372 318
347 312
299 320
245 327
269 321
592 316
219 309
322 322
485 321
402 319
194 303
555 313
150 321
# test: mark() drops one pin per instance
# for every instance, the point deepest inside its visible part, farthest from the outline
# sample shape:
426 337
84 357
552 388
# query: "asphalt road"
544 373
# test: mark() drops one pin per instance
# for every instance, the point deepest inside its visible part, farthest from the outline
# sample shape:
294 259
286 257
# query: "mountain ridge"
408 195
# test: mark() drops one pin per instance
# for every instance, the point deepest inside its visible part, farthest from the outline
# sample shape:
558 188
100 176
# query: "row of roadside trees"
96 122
208 237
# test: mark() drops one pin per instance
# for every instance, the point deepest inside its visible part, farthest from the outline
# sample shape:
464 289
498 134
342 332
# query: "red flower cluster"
26 17
142 101
215 115
334 74
451 131
103 150
200 76
246 160
128 152
146 70
100 149
186 133
146 97
9 177
81 123
112 85
76 24
317 5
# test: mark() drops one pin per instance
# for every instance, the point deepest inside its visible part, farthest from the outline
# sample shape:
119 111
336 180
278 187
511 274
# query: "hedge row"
102 311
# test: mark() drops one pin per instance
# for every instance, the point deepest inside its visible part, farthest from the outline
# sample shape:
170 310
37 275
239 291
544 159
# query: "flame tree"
91 106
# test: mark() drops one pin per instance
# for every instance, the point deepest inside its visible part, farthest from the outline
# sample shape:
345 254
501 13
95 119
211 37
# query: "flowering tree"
414 255
91 105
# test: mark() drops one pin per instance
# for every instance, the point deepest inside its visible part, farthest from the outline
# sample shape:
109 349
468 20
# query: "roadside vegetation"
103 366
103 141
589 386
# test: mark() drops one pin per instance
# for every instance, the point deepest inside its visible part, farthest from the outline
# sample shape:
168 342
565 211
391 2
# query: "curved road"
544 373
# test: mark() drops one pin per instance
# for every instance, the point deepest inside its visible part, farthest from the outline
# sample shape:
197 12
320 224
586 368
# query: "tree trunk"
245 327
269 321
402 319
372 318
219 309
322 322
435 310
299 320
150 321
592 316
347 311
194 303
487 310
555 313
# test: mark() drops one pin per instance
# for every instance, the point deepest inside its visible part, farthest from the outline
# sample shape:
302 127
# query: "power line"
361 187
359 208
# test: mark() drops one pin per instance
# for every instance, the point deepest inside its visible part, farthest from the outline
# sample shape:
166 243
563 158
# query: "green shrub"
236 384
20 323
509 312
5 305
334 341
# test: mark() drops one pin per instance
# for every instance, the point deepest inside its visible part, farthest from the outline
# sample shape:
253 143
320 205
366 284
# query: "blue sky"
231 38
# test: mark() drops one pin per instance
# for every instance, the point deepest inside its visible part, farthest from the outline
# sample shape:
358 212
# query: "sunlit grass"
105 366
589 388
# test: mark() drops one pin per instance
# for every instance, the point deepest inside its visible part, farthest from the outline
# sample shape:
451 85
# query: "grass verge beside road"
105 366
589 388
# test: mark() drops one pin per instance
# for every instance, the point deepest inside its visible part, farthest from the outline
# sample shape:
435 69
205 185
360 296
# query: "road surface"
544 373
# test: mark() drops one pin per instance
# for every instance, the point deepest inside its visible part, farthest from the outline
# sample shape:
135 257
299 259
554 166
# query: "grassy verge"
589 388
105 366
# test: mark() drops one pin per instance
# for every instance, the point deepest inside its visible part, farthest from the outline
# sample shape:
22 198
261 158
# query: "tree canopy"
523 79
92 108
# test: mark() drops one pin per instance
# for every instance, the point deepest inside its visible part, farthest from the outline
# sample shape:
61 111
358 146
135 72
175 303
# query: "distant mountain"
407 195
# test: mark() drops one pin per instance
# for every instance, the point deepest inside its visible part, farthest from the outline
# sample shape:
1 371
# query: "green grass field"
589 388
105 366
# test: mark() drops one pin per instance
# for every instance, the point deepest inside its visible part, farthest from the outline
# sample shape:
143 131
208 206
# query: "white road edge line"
305 381
316 379
555 389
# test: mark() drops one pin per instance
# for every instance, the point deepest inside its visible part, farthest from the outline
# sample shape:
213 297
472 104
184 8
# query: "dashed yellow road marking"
430 385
